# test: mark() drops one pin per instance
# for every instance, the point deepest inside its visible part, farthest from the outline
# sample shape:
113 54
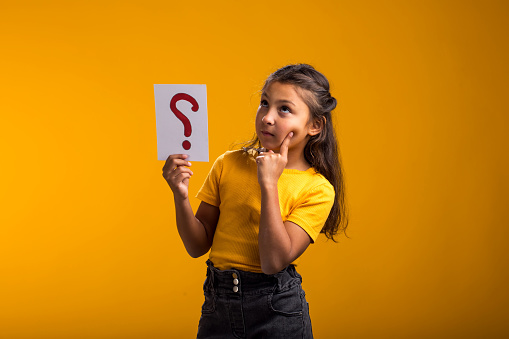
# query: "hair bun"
330 103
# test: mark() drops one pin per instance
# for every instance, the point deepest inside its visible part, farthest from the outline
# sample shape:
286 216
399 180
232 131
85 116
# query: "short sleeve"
209 192
312 210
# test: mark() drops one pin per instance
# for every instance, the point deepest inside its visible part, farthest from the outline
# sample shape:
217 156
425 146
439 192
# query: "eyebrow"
279 101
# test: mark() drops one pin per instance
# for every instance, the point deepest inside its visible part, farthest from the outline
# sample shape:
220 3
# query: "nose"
269 118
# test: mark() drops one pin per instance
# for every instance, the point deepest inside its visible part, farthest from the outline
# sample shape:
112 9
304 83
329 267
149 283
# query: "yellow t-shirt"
305 198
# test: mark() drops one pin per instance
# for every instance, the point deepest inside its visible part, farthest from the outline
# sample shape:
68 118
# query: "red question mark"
187 124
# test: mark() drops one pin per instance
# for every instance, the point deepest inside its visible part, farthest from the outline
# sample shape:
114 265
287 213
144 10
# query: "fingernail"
291 134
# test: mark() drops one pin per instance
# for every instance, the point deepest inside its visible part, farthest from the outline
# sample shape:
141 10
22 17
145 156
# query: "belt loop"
210 273
284 276
278 279
292 271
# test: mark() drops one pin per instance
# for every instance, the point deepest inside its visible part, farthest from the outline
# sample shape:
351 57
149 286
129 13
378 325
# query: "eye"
264 103
285 109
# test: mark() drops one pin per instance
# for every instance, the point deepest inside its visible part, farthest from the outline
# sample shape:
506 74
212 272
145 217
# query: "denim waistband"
237 282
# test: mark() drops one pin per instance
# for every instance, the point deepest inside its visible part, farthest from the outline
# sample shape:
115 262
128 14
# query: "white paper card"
181 119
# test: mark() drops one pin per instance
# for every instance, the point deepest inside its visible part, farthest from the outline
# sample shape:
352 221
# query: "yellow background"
88 243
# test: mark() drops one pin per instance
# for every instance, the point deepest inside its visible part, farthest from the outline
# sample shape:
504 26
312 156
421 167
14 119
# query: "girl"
261 208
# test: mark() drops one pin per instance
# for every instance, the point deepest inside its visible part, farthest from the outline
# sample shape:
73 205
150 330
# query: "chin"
275 149
264 144
270 144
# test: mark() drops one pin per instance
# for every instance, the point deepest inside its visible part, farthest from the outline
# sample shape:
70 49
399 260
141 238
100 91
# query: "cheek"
299 135
257 119
295 128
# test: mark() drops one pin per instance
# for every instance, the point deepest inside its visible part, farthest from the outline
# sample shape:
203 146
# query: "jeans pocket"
287 302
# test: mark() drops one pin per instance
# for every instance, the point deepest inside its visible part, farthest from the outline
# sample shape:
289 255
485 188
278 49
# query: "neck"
296 160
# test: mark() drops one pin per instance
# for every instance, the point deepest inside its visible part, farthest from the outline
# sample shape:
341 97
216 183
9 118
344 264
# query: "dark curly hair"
322 150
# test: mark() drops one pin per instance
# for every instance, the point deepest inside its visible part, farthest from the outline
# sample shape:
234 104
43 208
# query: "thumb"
283 150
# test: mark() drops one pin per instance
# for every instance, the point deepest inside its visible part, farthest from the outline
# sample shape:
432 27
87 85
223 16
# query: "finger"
180 170
173 157
177 156
171 175
173 163
283 150
175 181
180 162
267 152
182 176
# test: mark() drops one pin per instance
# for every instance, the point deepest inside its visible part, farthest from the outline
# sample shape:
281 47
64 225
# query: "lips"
267 134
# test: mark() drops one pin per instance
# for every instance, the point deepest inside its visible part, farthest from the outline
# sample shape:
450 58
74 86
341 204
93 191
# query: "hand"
271 165
177 173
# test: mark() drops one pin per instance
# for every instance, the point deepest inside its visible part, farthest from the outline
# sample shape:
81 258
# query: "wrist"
268 187
179 199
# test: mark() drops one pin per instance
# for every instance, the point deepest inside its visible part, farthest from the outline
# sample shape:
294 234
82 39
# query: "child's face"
282 111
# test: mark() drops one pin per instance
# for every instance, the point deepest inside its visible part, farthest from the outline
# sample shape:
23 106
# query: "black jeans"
240 304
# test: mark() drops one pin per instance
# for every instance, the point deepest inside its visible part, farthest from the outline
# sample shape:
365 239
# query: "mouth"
267 134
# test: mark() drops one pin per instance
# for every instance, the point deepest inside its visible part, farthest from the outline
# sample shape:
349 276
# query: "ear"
317 126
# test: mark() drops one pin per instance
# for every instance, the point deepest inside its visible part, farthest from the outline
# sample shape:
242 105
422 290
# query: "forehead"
280 91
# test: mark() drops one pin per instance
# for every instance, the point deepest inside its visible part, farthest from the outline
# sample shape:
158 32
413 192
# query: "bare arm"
197 231
279 243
